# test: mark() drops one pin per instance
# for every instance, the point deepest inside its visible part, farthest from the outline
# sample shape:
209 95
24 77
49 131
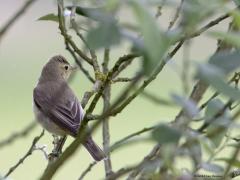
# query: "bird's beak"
73 68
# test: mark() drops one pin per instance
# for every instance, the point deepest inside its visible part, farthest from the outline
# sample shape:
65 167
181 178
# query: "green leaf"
49 17
165 134
207 145
222 121
226 61
237 2
235 163
105 35
212 167
215 77
188 105
213 107
155 42
96 14
232 38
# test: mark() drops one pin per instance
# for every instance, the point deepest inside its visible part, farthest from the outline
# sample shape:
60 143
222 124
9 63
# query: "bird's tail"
94 149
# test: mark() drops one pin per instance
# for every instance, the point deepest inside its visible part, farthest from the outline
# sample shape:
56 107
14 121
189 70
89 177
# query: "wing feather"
67 114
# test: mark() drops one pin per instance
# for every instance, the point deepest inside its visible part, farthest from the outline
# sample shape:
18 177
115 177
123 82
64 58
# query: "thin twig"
15 17
122 172
121 141
92 52
147 81
105 129
176 15
147 158
87 170
156 99
16 135
29 152
79 63
122 80
68 38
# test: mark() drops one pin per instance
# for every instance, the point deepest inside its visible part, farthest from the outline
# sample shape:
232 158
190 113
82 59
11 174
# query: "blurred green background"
26 48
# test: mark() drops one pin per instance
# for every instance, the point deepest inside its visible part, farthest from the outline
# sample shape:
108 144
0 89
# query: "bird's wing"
66 114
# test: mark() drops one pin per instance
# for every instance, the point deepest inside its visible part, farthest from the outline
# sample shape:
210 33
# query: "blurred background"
24 50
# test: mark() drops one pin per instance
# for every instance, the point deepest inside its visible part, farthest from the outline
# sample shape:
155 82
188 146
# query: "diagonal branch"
29 152
21 134
15 17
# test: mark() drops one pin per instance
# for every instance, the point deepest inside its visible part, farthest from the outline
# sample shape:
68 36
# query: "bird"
57 108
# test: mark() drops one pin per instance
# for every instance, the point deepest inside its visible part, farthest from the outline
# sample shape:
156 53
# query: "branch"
156 99
122 80
147 81
29 152
87 170
153 153
15 17
121 172
121 141
21 134
176 16
68 38
105 129
79 63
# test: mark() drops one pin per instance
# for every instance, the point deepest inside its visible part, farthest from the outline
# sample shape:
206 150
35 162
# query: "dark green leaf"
235 163
222 121
105 35
226 61
213 107
229 37
155 42
207 145
215 77
237 2
165 134
189 106
97 14
212 167
49 17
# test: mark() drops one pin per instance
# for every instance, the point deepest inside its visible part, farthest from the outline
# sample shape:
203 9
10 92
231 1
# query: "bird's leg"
58 143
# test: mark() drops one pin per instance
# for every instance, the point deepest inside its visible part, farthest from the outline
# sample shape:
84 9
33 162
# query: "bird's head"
57 68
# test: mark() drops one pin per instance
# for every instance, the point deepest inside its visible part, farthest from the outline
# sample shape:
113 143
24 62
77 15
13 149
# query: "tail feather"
94 149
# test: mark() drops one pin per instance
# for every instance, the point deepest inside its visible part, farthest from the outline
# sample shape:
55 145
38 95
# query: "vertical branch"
106 104
185 67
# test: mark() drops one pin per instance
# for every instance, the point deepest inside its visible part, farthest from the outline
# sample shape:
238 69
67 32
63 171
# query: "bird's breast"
47 123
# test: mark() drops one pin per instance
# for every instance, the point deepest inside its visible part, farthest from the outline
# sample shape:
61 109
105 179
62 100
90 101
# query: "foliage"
154 46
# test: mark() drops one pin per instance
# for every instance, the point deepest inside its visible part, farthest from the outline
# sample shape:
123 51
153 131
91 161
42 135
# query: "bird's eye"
66 67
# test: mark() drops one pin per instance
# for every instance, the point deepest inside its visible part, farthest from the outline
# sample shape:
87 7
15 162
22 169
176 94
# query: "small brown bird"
56 107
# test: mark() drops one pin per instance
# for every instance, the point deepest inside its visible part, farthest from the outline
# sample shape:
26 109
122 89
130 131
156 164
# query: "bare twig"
105 130
68 38
15 17
92 52
21 134
185 67
29 152
156 99
79 63
121 141
147 81
87 170
147 158
121 172
176 15
122 80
